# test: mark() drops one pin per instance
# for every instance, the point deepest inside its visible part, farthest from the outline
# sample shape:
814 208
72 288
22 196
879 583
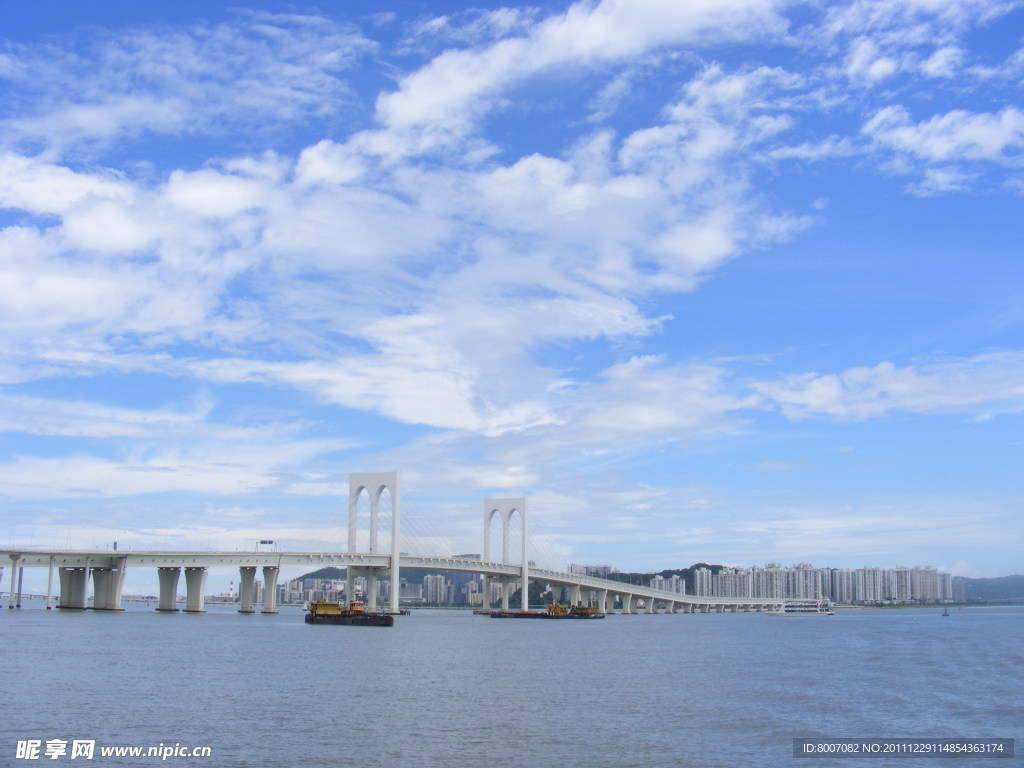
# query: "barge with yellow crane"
353 614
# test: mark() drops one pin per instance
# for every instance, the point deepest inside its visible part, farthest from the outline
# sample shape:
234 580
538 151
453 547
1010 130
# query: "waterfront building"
842 585
924 584
702 582
410 592
435 588
601 571
869 585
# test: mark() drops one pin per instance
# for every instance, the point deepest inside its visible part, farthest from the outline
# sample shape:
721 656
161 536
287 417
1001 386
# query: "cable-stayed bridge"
74 570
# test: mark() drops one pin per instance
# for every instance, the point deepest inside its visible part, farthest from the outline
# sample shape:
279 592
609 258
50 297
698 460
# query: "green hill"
1001 588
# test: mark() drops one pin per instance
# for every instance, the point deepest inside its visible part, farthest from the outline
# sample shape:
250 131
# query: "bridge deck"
45 558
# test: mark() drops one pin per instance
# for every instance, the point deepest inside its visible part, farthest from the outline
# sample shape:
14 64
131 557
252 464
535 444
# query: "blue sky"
730 281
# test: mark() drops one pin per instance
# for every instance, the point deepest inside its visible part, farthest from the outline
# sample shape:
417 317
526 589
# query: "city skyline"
733 281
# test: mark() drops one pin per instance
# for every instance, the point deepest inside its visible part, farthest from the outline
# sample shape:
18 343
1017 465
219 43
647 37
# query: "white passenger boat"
803 608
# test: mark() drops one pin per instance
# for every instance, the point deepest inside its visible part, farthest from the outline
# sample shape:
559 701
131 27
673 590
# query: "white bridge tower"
374 484
506 508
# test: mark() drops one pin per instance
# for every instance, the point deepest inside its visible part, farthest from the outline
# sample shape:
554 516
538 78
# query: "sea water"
452 689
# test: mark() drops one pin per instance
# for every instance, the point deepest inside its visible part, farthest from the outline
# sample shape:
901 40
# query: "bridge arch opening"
360 542
513 552
495 537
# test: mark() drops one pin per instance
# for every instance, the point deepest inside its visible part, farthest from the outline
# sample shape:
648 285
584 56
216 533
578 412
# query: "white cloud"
441 101
937 181
956 135
985 384
640 397
864 61
179 81
211 194
211 465
43 188
944 62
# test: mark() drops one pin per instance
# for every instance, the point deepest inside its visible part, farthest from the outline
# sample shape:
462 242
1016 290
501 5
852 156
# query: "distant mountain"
333 572
1001 588
330 572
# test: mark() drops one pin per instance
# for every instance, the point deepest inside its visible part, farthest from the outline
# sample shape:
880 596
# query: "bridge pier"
350 584
556 593
49 585
246 588
168 588
107 584
371 589
270 574
74 588
195 581
11 589
627 603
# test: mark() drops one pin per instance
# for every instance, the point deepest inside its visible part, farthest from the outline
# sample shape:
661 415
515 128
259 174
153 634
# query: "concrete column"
575 594
107 584
14 573
195 583
506 592
74 588
49 586
371 590
486 602
21 581
627 603
720 608
651 607
168 588
602 600
526 562
350 584
270 573
246 588
396 555
103 590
